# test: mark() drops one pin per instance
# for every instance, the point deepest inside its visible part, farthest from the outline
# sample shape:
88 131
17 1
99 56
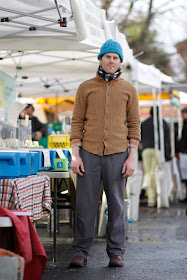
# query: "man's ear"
100 58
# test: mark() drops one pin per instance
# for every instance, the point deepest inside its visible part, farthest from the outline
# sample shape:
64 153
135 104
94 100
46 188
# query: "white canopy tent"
40 53
48 58
31 25
35 47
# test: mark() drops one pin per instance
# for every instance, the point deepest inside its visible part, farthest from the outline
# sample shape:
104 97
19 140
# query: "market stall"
168 101
48 49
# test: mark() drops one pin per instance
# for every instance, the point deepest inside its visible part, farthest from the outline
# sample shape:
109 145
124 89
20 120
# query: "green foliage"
133 33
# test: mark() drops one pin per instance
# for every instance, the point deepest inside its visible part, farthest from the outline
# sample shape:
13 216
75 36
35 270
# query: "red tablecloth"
27 244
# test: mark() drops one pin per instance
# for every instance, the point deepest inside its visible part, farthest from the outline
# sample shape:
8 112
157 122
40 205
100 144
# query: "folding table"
55 175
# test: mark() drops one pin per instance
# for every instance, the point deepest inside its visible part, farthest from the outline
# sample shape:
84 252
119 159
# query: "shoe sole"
115 265
75 265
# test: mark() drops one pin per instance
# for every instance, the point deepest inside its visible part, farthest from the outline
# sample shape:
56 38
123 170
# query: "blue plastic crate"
68 156
9 165
34 163
52 157
41 159
25 164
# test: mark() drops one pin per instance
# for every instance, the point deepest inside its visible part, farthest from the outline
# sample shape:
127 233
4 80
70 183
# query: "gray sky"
171 26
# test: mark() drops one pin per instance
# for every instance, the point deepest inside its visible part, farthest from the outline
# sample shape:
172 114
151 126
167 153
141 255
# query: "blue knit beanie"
111 46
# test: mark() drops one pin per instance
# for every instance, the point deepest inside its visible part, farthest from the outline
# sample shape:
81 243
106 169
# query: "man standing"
105 123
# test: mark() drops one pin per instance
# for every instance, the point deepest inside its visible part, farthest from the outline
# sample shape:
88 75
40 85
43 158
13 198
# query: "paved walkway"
156 249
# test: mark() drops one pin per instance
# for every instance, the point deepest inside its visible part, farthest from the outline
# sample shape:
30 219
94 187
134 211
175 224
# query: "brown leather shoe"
115 261
77 261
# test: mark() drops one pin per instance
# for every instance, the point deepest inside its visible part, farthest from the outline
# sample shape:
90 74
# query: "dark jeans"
107 169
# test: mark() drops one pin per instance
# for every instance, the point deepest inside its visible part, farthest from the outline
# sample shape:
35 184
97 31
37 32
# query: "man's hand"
77 165
38 135
129 165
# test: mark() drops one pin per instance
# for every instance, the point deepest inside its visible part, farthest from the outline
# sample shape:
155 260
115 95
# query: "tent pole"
179 123
35 12
161 131
32 15
155 123
56 108
136 161
172 141
172 130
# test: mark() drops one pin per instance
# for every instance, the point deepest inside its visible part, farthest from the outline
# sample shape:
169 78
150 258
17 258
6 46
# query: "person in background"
105 123
149 155
182 145
38 129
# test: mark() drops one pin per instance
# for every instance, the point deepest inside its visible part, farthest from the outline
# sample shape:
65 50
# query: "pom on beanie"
111 46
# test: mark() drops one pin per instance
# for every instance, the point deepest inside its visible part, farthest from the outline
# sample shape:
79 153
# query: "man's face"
110 62
29 112
184 116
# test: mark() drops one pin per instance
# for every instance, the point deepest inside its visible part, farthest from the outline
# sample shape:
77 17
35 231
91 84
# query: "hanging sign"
88 22
7 92
175 102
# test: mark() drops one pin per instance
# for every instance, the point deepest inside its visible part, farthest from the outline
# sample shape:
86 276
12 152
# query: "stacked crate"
59 141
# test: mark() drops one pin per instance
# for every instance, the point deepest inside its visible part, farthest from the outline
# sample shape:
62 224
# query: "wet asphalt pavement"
156 249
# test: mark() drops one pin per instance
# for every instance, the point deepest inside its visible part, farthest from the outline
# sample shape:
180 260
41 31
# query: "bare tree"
150 15
138 26
124 23
106 5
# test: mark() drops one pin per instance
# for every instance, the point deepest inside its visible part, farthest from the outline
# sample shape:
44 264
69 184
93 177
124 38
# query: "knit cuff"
133 143
76 143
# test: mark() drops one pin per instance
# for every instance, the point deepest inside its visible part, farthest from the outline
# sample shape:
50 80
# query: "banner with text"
7 92
88 22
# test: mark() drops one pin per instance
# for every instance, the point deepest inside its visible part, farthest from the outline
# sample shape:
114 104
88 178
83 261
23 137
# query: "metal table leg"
54 233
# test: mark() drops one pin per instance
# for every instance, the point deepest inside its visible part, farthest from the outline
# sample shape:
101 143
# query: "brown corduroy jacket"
105 115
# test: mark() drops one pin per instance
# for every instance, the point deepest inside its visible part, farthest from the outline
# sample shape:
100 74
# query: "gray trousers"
107 169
